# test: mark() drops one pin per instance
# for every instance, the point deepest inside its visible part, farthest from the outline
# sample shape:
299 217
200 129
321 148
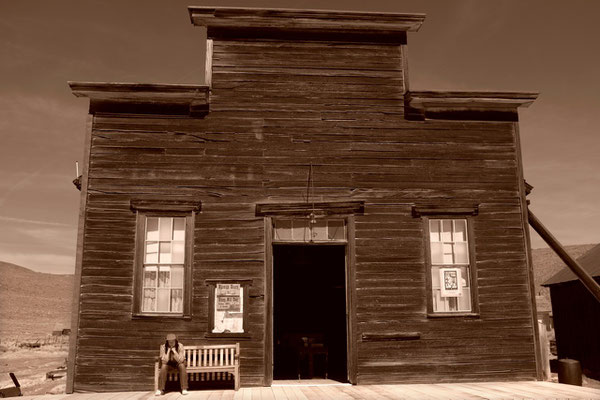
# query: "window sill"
454 315
161 316
240 335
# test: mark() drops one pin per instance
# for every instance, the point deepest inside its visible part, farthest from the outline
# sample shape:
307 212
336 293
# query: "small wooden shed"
304 197
576 314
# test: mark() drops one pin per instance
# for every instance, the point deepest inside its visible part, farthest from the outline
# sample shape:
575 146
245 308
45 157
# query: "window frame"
212 284
325 219
471 265
141 216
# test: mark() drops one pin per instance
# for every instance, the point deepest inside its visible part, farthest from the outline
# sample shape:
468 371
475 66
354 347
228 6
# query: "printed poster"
451 282
228 297
229 315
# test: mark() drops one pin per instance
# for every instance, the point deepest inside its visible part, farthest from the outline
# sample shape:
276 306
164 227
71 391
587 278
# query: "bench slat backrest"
209 356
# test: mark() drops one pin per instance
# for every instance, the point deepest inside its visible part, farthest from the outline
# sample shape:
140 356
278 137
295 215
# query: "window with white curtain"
163 265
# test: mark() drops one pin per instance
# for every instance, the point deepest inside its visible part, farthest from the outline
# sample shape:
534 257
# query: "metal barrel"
569 372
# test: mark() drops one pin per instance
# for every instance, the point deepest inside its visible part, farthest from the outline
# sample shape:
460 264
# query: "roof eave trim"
144 98
487 100
467 106
221 21
105 90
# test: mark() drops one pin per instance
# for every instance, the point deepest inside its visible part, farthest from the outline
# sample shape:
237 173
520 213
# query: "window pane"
435 277
151 228
151 256
150 276
461 253
283 229
464 274
439 303
165 228
178 252
434 230
164 278
446 230
464 302
177 300
149 301
177 277
437 253
452 303
448 256
460 230
319 230
163 300
300 230
335 230
165 253
178 228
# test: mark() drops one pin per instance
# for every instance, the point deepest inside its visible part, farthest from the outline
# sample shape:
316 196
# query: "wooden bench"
203 363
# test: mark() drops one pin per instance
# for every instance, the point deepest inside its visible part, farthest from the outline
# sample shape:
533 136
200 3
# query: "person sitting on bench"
172 354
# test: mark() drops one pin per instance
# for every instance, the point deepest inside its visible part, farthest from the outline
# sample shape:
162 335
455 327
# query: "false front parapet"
137 98
290 24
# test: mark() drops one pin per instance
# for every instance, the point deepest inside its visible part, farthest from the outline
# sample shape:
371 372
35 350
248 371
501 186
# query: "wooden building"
304 198
576 314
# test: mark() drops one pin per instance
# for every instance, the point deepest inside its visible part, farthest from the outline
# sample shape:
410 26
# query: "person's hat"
171 336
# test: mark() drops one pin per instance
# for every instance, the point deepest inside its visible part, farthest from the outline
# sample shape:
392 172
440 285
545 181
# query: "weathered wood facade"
287 90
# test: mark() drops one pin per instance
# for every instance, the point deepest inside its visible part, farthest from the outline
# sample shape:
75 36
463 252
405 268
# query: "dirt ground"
30 366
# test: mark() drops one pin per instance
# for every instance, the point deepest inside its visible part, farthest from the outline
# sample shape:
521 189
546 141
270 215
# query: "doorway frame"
350 272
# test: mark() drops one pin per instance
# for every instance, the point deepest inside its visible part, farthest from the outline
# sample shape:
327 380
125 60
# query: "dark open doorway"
309 312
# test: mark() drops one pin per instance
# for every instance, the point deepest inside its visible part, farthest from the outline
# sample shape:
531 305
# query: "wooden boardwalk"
318 391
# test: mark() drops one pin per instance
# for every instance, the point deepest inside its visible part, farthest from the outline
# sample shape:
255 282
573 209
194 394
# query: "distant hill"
33 303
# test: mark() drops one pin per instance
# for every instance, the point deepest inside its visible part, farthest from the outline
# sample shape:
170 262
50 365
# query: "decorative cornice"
144 98
231 22
173 205
419 211
388 337
466 105
319 208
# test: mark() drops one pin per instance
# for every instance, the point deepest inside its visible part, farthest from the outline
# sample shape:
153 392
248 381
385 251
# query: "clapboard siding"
275 108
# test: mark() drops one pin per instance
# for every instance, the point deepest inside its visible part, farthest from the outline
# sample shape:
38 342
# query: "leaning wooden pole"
577 269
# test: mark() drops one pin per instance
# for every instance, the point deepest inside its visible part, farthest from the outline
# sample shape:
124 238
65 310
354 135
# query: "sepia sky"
551 47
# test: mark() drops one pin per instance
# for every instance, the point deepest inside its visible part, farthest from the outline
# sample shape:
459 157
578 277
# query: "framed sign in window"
451 282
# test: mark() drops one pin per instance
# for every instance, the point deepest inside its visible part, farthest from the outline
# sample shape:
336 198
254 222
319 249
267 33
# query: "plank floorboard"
563 389
526 391
309 392
438 392
290 393
405 392
535 391
279 393
551 386
304 391
375 393
501 389
466 388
